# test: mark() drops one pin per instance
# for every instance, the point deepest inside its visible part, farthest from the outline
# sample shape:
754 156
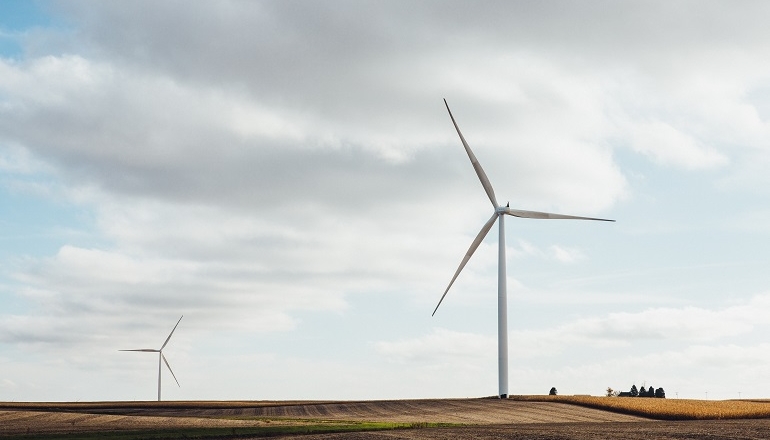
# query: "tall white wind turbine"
161 357
502 294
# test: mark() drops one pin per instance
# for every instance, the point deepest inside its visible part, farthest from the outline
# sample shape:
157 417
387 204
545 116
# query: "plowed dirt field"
465 411
63 418
689 430
481 418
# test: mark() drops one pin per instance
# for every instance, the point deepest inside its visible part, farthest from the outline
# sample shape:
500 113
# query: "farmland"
542 417
666 409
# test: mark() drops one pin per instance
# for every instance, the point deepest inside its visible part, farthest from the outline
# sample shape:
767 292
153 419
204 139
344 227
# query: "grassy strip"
665 409
213 433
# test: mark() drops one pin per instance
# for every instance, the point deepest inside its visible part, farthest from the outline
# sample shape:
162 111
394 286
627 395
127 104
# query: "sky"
284 175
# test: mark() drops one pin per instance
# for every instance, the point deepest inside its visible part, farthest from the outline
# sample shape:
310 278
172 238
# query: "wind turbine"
502 294
160 356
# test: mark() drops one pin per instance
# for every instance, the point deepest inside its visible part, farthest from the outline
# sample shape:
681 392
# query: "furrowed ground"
41 418
544 417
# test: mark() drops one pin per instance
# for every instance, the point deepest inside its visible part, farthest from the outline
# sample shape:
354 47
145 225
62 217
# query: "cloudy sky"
285 175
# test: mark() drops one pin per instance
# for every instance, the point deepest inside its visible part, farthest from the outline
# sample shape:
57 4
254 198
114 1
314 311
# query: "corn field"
667 409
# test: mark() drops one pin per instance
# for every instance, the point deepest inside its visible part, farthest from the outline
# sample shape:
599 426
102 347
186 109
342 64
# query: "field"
530 417
667 409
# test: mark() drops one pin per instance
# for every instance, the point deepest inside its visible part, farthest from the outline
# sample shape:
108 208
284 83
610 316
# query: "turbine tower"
161 357
502 294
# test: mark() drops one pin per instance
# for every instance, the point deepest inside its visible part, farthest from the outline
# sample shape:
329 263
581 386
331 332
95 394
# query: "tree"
552 392
642 392
634 391
610 392
660 394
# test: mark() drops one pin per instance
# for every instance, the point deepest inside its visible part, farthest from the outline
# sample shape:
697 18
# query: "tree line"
634 392
641 392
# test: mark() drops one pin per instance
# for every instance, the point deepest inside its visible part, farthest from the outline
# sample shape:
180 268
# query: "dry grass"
666 409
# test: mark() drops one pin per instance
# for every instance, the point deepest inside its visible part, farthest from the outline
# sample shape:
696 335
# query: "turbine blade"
169 369
476 242
169 335
476 165
548 215
146 350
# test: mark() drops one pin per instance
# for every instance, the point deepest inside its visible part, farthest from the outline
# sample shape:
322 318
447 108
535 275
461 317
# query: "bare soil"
40 422
461 411
482 418
689 430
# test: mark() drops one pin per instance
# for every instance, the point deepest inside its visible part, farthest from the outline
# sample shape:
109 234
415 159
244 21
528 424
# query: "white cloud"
610 350
442 346
669 146
691 325
688 324
560 253
689 372
8 384
566 255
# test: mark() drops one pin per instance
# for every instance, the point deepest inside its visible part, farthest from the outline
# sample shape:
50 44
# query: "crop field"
531 417
667 409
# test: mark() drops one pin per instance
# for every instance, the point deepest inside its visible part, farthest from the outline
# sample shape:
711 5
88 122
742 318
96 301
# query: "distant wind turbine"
161 357
502 294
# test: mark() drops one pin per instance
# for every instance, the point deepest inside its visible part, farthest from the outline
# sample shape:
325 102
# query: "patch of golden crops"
666 409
